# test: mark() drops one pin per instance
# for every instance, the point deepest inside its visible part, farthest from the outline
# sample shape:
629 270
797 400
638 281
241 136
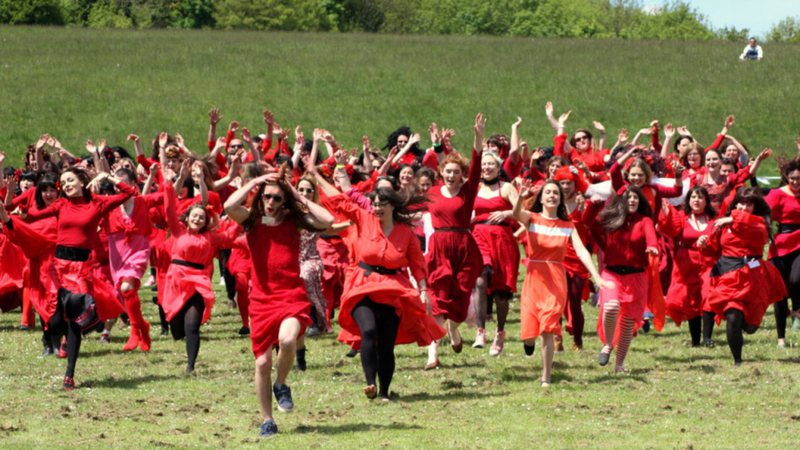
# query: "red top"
24 201
785 210
484 207
139 220
594 159
275 256
746 236
626 245
652 192
78 219
456 212
398 250
718 192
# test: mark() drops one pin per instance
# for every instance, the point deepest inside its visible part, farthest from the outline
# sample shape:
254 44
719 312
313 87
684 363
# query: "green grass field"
77 84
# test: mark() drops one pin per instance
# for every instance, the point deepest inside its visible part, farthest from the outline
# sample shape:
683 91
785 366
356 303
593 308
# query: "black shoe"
268 429
283 397
244 331
352 353
529 349
125 320
301 359
164 331
646 326
48 351
708 343
25 328
603 358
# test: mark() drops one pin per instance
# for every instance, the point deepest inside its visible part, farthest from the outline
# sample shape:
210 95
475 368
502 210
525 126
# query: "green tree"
31 12
787 29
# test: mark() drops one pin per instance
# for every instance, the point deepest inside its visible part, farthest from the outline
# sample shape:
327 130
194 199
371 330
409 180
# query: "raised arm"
413 139
669 131
602 131
548 111
234 205
200 182
522 216
766 153
213 120
317 217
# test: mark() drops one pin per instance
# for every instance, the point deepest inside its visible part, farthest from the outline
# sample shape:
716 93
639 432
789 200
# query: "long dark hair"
750 196
47 181
614 215
538 207
405 205
709 211
294 209
83 177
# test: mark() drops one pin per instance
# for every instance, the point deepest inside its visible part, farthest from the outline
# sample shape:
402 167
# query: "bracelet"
340 166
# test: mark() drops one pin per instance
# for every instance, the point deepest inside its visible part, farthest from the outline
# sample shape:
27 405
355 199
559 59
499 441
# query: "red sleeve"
650 233
31 242
668 191
229 136
368 184
222 165
474 176
416 260
430 160
511 168
109 202
211 145
655 141
558 144
740 177
153 200
224 238
672 225
617 181
171 208
717 142
48 211
145 162
343 206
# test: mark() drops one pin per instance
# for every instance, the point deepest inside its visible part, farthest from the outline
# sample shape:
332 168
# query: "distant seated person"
752 51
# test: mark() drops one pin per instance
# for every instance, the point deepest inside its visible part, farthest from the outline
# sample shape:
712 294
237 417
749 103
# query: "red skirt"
416 326
454 263
78 277
12 266
41 287
748 289
180 284
684 298
500 251
631 291
267 314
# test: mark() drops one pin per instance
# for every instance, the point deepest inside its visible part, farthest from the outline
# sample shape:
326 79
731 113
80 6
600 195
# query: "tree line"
627 19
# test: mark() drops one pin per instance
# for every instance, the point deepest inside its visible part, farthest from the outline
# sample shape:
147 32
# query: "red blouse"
456 212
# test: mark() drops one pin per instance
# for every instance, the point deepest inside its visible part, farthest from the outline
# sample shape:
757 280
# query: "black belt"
624 270
368 269
453 229
788 227
72 253
328 237
727 264
486 222
180 262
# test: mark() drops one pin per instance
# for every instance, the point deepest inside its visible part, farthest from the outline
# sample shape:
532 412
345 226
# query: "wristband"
340 166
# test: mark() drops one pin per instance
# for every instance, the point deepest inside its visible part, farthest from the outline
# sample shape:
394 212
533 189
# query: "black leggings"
378 324
575 286
708 325
789 267
735 326
59 327
186 324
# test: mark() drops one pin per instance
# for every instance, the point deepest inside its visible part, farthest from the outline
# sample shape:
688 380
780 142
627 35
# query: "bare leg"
287 337
263 381
548 346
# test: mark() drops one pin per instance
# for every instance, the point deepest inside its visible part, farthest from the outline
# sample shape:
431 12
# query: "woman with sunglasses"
279 305
579 148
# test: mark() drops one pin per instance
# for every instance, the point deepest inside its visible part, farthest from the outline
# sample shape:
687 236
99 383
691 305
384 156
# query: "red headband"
564 173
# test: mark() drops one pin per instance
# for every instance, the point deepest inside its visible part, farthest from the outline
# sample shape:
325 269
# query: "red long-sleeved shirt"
626 245
78 219
456 211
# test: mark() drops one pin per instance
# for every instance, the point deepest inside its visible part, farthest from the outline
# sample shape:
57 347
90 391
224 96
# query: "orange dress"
544 291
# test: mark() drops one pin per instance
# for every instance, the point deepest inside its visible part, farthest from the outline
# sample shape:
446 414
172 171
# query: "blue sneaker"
283 396
268 428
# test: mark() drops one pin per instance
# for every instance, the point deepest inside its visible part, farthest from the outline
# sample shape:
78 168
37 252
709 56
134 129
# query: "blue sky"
757 15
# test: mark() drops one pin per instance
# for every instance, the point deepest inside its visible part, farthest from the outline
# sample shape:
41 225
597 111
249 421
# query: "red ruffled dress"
129 238
182 281
497 243
753 286
12 266
399 250
691 269
78 223
277 292
454 260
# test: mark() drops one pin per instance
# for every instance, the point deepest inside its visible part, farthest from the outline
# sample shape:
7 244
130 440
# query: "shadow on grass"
455 394
353 427
117 350
639 374
126 383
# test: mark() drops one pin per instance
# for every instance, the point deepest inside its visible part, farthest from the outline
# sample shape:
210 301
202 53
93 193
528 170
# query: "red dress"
454 260
277 292
690 270
12 265
399 250
544 292
497 244
198 249
785 209
755 285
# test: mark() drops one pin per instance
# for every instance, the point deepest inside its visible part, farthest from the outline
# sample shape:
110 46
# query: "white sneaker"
497 345
480 339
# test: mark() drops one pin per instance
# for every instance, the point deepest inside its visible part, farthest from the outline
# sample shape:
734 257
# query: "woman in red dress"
493 230
544 292
279 305
79 213
379 303
453 259
742 284
684 300
625 233
186 295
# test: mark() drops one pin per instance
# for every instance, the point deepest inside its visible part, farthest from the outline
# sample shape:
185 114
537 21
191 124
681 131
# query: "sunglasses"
236 146
305 190
582 138
277 198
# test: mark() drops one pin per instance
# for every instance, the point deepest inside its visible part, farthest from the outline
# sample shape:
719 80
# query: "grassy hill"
77 83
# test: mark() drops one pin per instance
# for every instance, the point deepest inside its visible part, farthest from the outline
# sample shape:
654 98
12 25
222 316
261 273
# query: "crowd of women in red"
406 245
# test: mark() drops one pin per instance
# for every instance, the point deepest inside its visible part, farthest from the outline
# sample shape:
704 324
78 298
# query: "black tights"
59 327
186 324
708 325
378 324
735 326
575 286
789 267
694 330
